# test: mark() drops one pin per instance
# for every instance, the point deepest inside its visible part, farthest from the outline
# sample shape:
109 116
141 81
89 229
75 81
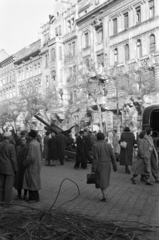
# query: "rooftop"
3 55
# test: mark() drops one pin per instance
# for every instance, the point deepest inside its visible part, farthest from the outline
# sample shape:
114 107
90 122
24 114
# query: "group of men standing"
54 148
20 167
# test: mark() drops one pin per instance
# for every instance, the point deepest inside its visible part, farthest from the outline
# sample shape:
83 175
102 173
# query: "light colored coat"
32 163
103 156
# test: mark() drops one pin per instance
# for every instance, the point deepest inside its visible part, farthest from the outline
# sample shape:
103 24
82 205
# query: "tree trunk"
100 116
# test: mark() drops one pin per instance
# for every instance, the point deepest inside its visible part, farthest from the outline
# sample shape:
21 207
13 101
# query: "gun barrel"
46 124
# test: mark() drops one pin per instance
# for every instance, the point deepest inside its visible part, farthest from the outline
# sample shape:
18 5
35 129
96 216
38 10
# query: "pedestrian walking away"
32 181
127 142
103 156
21 156
8 168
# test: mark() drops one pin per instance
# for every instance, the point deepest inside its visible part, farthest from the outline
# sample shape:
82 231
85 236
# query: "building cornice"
7 61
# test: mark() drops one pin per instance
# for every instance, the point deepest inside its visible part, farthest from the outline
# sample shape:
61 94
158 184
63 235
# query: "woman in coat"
126 153
103 156
143 159
46 148
53 150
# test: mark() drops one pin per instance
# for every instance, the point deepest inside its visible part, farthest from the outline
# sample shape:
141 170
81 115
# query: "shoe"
157 181
18 197
142 179
149 184
103 199
61 163
76 168
133 180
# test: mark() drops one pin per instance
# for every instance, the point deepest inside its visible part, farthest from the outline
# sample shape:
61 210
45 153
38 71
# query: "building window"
152 43
53 76
127 57
59 30
138 14
46 60
53 54
60 53
139 48
100 36
30 71
39 68
115 55
86 38
151 8
56 32
47 81
27 73
35 70
69 26
100 60
73 49
126 21
115 23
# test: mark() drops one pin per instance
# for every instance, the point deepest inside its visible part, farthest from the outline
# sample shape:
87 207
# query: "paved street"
126 202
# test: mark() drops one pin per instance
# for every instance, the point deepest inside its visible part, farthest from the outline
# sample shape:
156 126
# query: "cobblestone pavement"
126 202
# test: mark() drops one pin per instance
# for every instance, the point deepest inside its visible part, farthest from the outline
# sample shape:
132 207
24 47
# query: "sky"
20 22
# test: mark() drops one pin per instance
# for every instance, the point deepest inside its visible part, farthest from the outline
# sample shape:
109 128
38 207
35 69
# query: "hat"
115 130
126 129
7 134
32 133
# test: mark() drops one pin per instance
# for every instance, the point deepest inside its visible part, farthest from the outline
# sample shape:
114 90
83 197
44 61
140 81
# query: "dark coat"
127 153
80 152
53 148
103 156
21 156
46 147
61 145
32 163
8 160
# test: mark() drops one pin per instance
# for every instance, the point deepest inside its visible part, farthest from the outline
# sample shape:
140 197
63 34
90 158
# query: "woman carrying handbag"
103 156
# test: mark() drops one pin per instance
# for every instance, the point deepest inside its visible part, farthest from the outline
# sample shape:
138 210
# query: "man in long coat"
32 181
127 153
21 151
46 148
53 150
80 153
8 168
61 147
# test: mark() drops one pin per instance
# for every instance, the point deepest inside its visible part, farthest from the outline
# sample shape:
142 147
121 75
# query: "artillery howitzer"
53 128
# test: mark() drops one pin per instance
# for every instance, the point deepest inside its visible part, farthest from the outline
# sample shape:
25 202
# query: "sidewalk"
126 202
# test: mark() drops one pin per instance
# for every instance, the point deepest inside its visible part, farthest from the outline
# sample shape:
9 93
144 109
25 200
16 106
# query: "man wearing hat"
8 168
80 153
32 181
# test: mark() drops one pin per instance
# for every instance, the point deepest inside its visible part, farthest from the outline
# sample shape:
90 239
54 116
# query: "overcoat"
21 155
103 156
61 145
53 148
8 160
32 163
127 153
80 153
46 147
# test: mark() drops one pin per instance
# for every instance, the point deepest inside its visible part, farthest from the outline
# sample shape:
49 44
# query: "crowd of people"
20 159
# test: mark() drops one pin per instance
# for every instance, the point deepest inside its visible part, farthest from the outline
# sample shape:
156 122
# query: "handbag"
92 178
123 144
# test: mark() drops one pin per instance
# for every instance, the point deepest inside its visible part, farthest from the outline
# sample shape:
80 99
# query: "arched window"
115 55
139 48
152 43
127 57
